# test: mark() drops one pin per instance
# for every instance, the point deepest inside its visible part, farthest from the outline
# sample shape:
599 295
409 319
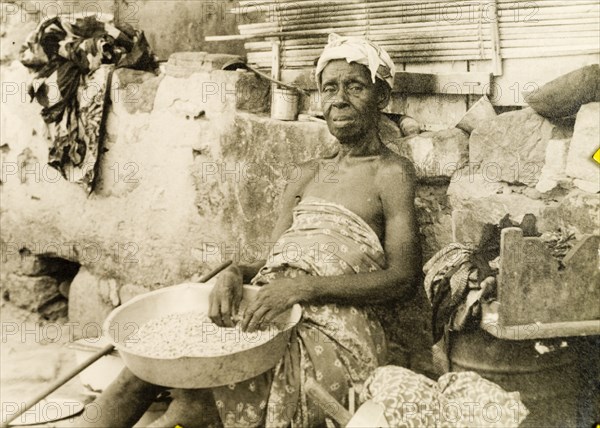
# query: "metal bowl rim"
115 312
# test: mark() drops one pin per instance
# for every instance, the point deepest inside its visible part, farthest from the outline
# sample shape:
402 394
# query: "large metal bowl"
192 372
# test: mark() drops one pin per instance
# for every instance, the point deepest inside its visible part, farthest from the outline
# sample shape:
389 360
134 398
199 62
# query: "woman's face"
350 100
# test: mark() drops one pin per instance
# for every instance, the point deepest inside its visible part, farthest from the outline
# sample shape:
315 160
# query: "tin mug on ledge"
284 103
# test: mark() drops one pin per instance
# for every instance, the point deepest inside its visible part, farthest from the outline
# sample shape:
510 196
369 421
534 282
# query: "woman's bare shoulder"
394 166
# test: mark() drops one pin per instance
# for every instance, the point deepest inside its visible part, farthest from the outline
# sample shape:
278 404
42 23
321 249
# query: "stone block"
468 225
476 198
515 144
31 292
587 186
474 182
481 111
135 90
89 303
565 95
578 211
129 291
438 112
586 138
436 154
553 171
55 310
184 64
35 265
259 157
434 218
253 94
213 92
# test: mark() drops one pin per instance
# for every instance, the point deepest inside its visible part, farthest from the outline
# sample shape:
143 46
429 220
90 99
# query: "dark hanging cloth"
73 59
454 276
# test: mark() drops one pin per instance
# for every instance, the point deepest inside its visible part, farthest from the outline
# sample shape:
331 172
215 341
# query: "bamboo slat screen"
427 31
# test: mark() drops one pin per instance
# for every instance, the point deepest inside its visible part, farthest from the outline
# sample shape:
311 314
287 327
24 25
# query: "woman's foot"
190 408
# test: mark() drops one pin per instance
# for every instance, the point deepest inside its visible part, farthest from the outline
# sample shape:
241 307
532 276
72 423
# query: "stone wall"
188 180
523 163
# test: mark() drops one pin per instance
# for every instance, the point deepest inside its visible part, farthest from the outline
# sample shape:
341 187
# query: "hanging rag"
73 58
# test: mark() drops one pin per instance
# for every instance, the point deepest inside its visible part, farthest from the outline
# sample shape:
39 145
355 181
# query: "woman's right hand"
226 296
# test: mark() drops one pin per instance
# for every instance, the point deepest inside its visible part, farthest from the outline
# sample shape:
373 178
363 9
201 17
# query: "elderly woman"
357 235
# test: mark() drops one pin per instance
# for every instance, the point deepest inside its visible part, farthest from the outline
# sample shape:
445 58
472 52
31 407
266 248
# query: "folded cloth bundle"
455 400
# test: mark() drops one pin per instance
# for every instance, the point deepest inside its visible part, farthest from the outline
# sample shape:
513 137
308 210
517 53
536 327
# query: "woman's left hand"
272 300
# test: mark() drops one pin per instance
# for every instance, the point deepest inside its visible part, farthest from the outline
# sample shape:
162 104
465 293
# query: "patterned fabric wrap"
447 283
462 399
325 239
335 345
73 58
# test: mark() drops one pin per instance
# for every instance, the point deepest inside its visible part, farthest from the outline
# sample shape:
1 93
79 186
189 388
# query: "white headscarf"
361 51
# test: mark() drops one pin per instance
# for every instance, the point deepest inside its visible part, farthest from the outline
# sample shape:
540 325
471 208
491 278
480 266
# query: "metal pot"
192 372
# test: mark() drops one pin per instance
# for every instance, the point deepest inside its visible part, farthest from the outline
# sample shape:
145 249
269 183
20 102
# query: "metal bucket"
284 104
548 383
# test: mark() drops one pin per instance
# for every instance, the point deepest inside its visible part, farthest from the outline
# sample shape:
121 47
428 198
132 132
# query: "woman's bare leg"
121 405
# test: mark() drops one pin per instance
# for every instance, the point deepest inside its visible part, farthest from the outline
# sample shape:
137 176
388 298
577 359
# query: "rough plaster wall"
143 199
162 204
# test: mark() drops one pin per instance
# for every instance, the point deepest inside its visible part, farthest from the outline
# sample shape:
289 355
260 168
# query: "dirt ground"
33 354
